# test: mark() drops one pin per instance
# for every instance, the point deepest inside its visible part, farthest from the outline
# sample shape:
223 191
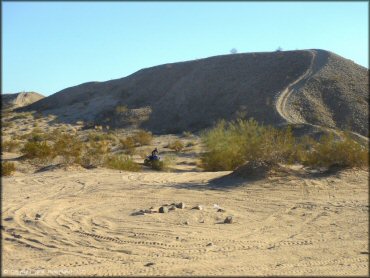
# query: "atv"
153 162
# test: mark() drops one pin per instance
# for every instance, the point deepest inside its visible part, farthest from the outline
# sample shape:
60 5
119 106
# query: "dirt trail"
81 223
318 60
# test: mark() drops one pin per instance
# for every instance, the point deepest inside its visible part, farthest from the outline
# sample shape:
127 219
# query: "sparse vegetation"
121 162
176 145
10 146
143 137
128 145
7 168
329 152
230 145
37 150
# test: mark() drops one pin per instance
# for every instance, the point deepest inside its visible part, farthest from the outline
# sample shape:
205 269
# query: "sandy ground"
83 222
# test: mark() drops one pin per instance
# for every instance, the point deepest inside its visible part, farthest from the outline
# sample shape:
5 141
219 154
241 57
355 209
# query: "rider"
154 153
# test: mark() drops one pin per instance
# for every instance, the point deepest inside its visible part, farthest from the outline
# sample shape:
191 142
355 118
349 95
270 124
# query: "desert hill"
19 99
314 87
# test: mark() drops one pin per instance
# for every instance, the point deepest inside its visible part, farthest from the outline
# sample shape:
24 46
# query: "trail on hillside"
318 60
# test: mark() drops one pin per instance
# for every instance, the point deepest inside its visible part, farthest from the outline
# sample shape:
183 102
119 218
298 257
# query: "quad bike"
153 162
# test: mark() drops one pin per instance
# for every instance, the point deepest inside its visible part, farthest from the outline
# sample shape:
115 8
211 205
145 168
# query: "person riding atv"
153 160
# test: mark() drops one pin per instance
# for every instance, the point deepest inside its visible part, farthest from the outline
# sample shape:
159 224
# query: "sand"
82 222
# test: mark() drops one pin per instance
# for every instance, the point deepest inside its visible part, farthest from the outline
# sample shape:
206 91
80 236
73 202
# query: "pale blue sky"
47 47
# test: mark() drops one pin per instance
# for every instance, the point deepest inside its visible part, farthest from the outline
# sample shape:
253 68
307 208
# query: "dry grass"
142 137
176 145
121 162
7 168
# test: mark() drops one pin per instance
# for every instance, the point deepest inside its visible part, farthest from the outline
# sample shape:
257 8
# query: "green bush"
229 145
7 168
122 162
328 151
176 145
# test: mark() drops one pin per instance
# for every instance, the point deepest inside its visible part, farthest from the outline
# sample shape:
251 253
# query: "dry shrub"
94 154
10 146
143 137
69 147
7 168
37 150
328 151
128 145
176 145
121 162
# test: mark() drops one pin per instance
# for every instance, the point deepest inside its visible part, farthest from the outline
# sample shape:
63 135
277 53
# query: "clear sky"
47 47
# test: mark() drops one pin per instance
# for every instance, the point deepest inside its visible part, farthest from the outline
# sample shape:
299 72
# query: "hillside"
305 86
19 99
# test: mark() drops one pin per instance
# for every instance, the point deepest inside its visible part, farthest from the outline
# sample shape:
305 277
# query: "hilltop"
19 99
314 87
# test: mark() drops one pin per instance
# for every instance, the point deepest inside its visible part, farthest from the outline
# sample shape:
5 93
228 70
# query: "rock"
172 208
163 210
221 210
180 205
149 264
209 244
37 216
229 220
8 219
198 207
201 221
177 238
186 222
140 212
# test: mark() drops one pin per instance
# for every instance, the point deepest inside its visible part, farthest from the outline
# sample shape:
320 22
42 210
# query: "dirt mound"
328 90
19 99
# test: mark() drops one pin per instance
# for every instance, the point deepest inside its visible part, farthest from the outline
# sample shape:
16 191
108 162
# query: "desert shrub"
329 151
69 147
7 168
10 146
176 145
94 154
229 145
37 150
164 164
121 162
143 137
128 145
